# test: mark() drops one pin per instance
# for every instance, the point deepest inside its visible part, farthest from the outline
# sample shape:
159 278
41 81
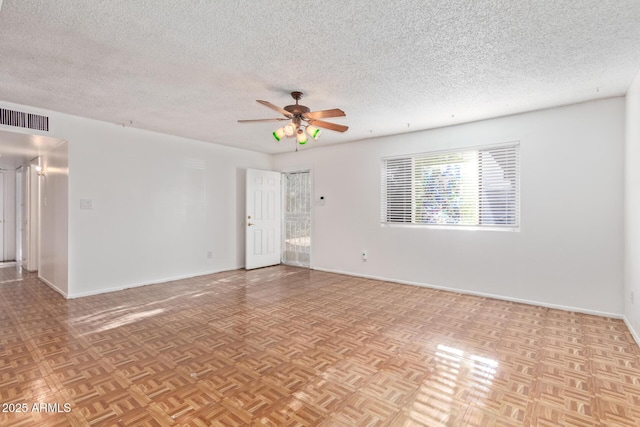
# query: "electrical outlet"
86 204
364 255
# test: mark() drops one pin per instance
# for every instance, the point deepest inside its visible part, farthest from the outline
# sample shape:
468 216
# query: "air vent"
23 120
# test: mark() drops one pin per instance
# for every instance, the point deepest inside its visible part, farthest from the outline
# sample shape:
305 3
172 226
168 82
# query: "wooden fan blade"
275 108
330 126
262 120
334 112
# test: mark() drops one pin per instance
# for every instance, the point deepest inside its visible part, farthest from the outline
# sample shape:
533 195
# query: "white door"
262 219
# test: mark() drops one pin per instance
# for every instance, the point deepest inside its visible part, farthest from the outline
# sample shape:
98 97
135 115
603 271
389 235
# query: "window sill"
451 227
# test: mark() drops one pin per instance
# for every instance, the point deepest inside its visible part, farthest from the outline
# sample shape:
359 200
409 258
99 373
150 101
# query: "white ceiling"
193 68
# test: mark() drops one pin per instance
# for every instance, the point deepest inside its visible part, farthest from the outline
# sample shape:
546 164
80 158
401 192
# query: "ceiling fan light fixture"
302 137
300 121
290 129
313 132
278 134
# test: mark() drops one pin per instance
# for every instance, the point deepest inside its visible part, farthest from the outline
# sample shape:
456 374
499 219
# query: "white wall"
632 209
569 250
159 204
54 214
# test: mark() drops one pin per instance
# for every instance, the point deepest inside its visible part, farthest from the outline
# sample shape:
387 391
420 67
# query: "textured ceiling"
192 68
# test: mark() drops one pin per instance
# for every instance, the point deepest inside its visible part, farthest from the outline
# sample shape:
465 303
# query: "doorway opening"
35 170
296 228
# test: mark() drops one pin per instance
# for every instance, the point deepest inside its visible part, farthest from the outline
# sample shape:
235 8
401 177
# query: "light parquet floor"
284 346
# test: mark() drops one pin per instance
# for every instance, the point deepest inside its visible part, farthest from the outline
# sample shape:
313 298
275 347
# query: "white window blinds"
475 187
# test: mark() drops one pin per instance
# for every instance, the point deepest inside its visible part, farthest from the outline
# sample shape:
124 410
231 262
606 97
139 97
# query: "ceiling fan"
302 119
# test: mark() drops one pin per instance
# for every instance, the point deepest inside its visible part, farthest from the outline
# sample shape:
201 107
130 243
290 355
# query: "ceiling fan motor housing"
296 112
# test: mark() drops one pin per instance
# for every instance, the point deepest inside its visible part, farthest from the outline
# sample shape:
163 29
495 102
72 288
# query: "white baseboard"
479 294
5 264
145 283
633 332
52 286
635 335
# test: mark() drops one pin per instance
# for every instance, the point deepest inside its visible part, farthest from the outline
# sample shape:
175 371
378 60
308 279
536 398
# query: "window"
473 187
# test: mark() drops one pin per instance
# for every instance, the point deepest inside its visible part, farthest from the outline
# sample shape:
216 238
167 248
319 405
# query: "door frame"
283 226
28 213
19 213
314 203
